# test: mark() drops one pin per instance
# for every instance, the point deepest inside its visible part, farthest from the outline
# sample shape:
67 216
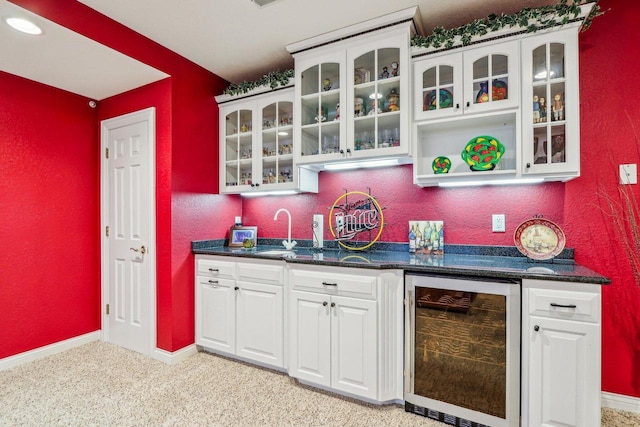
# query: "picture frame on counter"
243 236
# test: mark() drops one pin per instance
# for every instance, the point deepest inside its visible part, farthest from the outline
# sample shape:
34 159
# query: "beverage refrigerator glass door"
462 351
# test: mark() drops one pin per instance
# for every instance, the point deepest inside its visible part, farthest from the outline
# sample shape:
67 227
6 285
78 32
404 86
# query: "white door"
354 346
128 219
259 323
310 341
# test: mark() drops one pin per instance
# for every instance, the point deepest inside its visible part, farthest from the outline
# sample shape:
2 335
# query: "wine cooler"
462 350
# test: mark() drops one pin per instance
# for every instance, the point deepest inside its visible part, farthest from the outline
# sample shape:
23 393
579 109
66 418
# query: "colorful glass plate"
539 239
446 100
441 164
482 153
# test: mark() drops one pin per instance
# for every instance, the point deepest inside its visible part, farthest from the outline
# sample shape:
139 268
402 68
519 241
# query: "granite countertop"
471 261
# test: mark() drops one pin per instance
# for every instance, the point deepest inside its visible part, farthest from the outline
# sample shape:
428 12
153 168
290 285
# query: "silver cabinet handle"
142 250
329 284
213 270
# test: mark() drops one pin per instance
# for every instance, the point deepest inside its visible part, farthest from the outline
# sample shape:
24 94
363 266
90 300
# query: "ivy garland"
533 19
272 80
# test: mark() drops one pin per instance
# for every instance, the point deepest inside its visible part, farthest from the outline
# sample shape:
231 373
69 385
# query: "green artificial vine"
533 19
273 80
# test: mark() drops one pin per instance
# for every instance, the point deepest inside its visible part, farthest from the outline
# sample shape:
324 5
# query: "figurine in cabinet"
322 115
536 109
375 107
392 100
358 107
558 107
326 84
394 69
543 110
385 73
337 111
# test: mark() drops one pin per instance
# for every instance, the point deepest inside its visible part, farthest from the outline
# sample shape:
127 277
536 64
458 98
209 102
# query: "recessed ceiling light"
24 25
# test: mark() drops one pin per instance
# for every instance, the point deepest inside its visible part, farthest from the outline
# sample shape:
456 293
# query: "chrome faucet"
288 244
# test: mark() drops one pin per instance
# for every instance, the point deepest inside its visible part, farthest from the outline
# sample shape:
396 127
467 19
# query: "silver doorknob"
142 250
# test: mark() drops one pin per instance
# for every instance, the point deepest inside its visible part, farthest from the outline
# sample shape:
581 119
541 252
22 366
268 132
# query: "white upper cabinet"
256 145
551 122
474 81
352 93
505 108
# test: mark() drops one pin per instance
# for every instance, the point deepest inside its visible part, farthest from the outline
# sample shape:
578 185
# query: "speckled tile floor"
99 384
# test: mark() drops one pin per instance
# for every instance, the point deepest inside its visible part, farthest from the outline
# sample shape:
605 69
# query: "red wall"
49 216
609 82
608 69
186 168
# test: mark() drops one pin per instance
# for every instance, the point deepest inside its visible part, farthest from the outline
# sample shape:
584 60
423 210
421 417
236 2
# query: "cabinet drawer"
213 282
261 273
335 283
571 305
215 268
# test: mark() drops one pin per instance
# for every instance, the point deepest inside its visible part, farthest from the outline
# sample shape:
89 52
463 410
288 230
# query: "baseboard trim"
48 350
171 358
620 402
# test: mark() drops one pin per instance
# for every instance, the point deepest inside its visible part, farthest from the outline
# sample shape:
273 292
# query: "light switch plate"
629 174
498 223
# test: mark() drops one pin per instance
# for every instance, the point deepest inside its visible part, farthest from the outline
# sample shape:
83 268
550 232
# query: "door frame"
148 115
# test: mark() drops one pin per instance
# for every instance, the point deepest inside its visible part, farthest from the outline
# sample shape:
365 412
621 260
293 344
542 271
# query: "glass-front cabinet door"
376 101
277 143
491 76
440 83
550 100
318 89
237 168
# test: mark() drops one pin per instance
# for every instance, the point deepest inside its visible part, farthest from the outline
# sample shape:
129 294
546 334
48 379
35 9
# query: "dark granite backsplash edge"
481 250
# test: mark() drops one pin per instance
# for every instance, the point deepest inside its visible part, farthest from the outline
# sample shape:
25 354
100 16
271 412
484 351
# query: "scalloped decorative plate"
539 239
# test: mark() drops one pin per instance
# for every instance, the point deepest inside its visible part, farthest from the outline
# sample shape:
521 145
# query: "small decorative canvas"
426 237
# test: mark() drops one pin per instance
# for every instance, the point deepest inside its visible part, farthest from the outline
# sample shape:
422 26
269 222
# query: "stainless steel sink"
278 252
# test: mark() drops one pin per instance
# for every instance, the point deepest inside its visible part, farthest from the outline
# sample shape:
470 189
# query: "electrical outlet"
498 222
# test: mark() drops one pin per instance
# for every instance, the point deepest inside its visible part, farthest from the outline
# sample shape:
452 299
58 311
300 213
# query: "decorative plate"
482 153
539 239
446 100
441 164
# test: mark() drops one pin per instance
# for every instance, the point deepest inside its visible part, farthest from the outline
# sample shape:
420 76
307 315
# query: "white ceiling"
235 39
64 59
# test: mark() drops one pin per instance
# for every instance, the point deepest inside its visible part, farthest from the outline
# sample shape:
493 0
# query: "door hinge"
106 152
107 309
106 231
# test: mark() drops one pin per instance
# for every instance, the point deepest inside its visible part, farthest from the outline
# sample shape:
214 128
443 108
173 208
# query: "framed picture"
238 234
426 237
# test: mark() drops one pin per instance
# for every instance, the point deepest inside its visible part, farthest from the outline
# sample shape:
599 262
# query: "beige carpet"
99 384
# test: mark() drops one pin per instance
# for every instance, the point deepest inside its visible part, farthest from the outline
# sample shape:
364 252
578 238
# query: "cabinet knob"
536 328
342 152
236 288
333 304
457 106
528 165
257 184
348 150
468 104
325 303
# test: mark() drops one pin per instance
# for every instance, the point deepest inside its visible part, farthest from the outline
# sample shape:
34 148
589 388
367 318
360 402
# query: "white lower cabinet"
242 315
335 342
561 349
350 344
